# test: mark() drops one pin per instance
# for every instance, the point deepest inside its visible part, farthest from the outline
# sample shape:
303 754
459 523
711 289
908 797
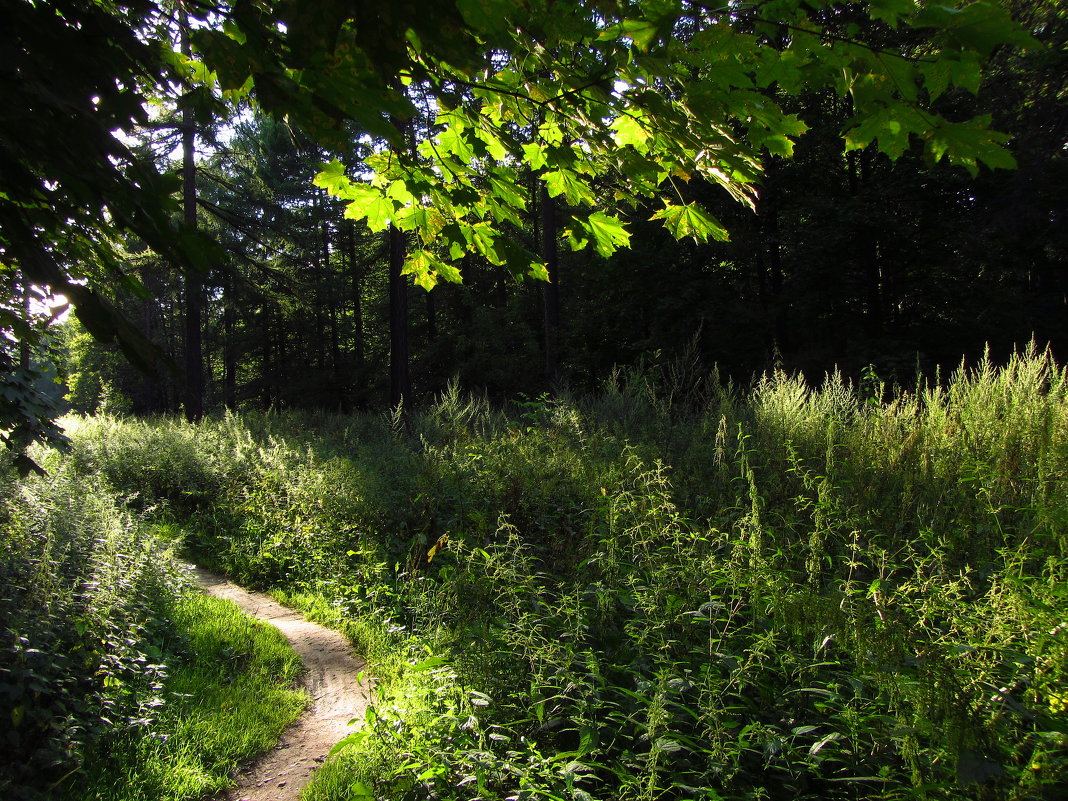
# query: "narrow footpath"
337 696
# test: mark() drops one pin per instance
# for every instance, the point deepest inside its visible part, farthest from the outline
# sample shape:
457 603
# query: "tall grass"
118 680
80 588
668 589
229 692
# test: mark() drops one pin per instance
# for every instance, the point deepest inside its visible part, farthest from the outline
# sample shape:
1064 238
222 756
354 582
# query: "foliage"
118 680
83 594
608 106
609 103
94 373
670 588
229 694
80 73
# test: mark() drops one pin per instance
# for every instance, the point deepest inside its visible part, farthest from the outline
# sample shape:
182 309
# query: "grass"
669 589
231 693
118 680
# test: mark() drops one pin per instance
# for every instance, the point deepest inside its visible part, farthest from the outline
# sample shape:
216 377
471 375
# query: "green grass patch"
229 693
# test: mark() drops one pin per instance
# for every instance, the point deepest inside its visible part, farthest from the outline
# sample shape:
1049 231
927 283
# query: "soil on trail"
331 680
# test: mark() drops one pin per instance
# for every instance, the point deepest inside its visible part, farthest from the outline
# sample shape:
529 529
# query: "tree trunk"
266 365
229 345
357 297
399 382
769 214
194 349
866 248
331 307
152 394
431 317
318 273
550 292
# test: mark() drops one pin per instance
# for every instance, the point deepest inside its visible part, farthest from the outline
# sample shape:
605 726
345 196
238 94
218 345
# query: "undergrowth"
230 692
668 589
118 680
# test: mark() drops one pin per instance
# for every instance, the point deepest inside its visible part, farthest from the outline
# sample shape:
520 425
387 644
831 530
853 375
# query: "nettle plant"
82 619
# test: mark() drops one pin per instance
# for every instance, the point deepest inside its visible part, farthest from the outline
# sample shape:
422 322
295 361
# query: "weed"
668 589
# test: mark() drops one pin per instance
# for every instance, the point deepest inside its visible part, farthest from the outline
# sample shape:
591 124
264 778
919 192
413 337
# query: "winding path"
337 694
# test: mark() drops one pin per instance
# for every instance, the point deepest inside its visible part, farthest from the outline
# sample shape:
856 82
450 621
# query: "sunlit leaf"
367 202
691 220
628 130
567 183
607 232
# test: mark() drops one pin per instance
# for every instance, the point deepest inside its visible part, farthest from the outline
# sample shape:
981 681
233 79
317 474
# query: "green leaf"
891 126
398 190
495 146
817 746
936 77
367 202
430 663
508 192
890 11
629 131
967 143
233 64
979 26
332 178
607 232
778 145
552 133
534 155
575 235
426 268
567 183
484 240
453 140
486 16
966 72
640 31
691 220
517 259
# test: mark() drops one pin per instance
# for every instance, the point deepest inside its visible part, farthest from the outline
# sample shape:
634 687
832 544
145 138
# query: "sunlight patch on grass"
229 695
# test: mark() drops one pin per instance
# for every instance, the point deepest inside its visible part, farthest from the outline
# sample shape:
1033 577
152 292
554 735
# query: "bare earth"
331 680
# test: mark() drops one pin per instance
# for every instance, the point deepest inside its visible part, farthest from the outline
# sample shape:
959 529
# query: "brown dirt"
332 682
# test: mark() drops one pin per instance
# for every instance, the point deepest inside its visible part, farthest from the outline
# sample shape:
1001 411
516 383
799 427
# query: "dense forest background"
849 260
713 510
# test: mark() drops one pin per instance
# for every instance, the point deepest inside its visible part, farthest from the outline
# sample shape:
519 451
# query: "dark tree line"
849 258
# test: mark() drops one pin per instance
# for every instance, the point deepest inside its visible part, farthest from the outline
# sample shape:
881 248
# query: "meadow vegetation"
119 681
671 588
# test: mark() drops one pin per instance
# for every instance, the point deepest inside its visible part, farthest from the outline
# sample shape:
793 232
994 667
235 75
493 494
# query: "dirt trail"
337 697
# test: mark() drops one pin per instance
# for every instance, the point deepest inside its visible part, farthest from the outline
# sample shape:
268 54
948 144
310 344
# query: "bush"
81 589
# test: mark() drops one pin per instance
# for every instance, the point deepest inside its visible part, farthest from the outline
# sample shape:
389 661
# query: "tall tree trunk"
318 272
27 306
266 366
400 388
399 381
194 349
769 213
866 247
550 292
431 317
229 345
331 307
357 297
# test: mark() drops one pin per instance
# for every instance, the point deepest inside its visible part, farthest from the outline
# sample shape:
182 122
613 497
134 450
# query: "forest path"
337 694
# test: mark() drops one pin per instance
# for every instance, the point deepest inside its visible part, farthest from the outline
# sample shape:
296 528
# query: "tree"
645 96
631 99
193 341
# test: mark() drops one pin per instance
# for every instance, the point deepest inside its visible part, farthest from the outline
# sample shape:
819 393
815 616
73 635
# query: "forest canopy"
449 122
